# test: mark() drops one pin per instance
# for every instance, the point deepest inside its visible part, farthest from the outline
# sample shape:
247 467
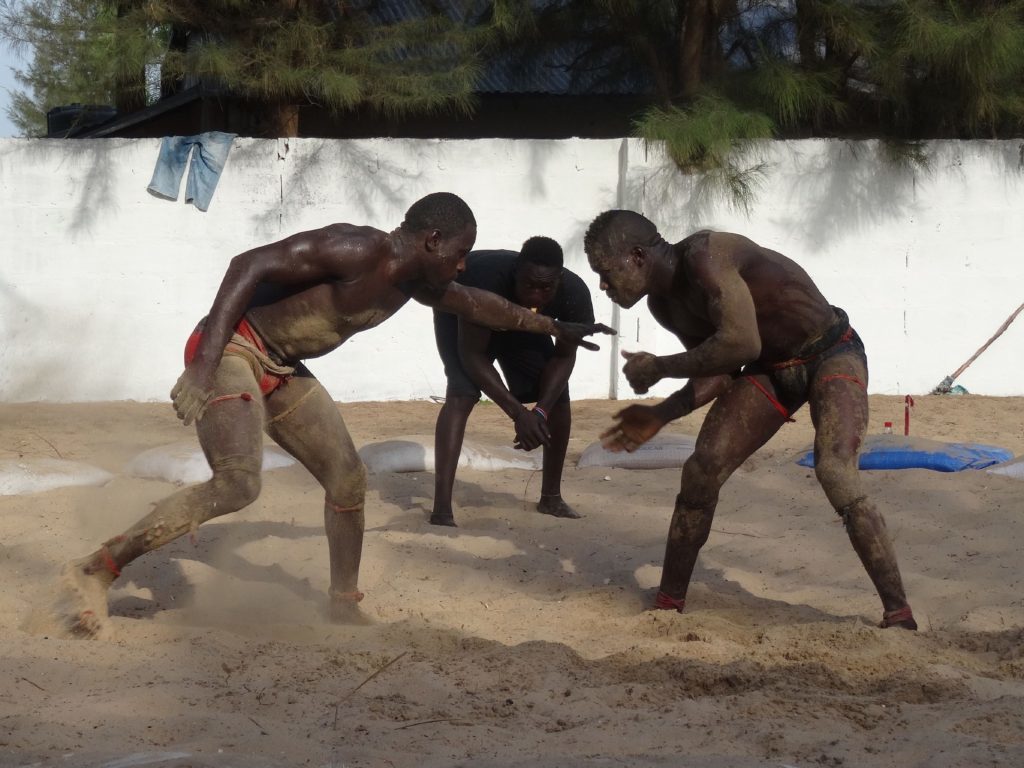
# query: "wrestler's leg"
560 425
448 436
230 433
524 364
306 422
839 410
741 420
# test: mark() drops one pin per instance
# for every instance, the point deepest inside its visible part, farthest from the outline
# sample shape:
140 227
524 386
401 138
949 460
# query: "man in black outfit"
536 369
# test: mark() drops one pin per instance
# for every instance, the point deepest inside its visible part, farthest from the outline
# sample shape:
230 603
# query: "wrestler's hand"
635 425
531 430
191 395
642 370
573 333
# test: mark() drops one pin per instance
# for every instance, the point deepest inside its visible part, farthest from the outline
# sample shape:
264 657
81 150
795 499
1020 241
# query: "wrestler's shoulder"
350 240
710 246
355 232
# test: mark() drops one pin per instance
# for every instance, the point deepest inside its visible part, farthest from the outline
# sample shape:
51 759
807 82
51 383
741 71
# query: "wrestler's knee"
236 484
839 479
691 525
347 486
700 484
860 515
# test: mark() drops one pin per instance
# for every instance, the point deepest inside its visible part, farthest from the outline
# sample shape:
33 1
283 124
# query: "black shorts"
521 357
792 379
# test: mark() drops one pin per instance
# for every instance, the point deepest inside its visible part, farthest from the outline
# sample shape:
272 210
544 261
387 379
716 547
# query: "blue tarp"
898 452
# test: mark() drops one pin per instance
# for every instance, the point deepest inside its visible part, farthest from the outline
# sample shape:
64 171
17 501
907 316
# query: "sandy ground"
518 639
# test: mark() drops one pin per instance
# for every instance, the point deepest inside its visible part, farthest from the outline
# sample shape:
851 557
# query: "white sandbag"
1014 469
183 463
415 453
659 452
21 476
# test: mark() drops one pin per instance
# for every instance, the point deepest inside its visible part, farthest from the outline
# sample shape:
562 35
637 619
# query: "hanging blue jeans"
209 154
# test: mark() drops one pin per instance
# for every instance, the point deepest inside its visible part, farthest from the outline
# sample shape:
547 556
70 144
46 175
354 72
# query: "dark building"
521 94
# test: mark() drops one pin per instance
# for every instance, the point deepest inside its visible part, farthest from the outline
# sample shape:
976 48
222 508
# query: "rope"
108 561
245 396
844 377
290 410
771 398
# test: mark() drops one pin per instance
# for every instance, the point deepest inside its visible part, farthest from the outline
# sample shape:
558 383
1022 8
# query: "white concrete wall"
100 282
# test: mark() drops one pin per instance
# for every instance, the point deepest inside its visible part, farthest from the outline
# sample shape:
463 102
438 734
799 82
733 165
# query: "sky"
7 59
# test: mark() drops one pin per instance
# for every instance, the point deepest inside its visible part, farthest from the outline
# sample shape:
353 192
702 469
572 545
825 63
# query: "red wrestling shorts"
268 381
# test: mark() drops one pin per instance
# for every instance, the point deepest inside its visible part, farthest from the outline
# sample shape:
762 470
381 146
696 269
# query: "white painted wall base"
101 283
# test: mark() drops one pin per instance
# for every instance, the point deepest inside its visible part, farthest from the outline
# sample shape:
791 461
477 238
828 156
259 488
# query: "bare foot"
901 617
345 610
556 507
81 605
443 518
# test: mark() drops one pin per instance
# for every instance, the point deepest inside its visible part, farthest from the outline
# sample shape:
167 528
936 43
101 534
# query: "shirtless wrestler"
760 342
277 305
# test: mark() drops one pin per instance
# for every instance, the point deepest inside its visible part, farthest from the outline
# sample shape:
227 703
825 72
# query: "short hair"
630 226
542 251
443 211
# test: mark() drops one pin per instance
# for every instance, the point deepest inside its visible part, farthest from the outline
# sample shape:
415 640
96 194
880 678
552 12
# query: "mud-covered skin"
732 303
303 419
331 283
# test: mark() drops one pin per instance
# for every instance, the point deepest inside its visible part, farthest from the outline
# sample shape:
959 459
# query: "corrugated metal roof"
547 72
551 73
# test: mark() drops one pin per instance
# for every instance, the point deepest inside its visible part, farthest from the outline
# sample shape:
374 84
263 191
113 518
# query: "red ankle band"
665 602
889 618
352 597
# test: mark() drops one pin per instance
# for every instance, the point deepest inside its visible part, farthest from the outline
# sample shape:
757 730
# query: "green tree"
280 54
720 73
72 58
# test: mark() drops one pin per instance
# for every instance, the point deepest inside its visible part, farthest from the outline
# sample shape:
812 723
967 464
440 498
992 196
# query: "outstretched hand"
191 395
634 426
642 370
574 333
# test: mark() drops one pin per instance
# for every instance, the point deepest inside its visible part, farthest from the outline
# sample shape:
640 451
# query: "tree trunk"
282 120
691 52
130 86
806 32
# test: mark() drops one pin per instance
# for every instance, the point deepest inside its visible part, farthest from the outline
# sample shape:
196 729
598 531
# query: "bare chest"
323 317
685 315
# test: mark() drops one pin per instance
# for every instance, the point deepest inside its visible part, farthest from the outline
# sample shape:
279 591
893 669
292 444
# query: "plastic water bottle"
887 428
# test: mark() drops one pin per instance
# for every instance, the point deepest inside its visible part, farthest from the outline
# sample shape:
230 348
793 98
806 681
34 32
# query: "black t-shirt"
495 271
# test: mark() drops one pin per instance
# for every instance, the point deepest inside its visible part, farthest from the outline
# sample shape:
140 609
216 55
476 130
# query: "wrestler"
277 305
760 341
536 370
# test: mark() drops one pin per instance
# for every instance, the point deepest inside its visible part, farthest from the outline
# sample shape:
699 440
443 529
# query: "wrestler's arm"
555 376
494 312
735 342
301 258
636 424
531 427
473 342
695 394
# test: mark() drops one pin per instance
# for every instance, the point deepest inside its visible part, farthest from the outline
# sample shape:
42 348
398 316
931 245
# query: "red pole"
908 404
